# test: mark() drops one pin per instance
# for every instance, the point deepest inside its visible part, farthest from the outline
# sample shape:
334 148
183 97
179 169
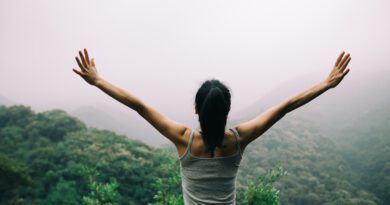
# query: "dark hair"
212 103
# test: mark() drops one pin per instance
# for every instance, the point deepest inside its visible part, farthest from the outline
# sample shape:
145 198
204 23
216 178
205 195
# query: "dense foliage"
366 147
262 191
53 158
318 173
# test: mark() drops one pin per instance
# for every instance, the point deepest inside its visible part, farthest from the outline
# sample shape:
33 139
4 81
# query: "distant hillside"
366 148
97 117
355 117
360 93
121 120
318 172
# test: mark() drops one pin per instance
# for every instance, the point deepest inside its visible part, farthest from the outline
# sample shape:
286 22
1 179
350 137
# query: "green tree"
169 187
263 191
63 193
16 115
100 193
54 125
13 175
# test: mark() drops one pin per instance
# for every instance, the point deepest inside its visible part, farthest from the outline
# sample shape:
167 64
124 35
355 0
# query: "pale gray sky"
162 50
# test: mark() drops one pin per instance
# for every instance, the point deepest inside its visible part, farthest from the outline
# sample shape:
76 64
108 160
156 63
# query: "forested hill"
53 158
318 171
355 120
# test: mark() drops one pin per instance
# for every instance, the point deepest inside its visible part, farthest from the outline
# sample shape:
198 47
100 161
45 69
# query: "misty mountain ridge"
360 94
336 109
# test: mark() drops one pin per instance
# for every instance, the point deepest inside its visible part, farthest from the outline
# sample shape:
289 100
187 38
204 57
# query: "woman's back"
207 180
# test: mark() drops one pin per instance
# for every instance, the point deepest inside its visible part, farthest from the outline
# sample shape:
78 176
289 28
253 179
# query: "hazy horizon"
162 51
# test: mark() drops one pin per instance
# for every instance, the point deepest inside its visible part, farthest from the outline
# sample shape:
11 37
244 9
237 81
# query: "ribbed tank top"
209 180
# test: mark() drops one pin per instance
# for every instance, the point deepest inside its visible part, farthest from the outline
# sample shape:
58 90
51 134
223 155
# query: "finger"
93 62
86 56
345 58
80 65
78 72
343 66
345 72
339 58
83 59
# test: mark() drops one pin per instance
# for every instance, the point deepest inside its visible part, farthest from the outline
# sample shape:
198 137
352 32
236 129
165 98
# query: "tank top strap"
191 139
189 144
238 139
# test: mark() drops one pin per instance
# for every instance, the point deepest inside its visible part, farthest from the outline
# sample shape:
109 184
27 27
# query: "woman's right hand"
339 70
88 69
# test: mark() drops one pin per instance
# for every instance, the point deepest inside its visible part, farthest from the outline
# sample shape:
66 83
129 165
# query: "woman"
209 157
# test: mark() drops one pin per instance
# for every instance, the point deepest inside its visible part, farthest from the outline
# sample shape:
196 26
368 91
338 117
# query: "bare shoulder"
230 136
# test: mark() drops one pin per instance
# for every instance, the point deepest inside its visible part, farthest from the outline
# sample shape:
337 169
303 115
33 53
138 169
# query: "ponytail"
213 113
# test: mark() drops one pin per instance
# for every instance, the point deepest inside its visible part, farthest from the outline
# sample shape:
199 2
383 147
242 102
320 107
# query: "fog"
336 149
163 50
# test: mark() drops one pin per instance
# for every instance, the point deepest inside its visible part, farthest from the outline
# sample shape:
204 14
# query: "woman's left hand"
339 70
88 69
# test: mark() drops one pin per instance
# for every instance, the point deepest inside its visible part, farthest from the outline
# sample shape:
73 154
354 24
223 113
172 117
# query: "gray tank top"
209 180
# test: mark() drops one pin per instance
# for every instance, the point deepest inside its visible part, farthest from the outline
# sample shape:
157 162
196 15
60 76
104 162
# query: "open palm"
339 70
88 69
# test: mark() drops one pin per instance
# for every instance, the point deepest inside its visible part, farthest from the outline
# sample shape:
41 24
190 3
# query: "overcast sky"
162 50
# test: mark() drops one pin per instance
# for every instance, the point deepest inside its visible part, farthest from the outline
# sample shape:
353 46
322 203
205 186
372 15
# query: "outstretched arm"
172 130
252 129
